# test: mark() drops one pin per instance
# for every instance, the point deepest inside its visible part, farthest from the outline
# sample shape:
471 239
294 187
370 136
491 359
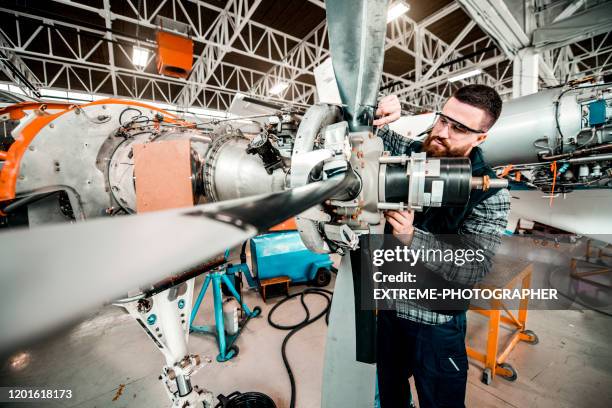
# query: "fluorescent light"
16 89
79 96
466 74
52 93
397 10
140 56
278 88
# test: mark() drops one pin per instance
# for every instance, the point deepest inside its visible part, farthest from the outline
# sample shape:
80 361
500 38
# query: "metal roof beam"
84 55
111 52
300 60
401 33
136 83
569 10
229 77
439 15
494 17
248 38
586 24
219 32
17 70
444 57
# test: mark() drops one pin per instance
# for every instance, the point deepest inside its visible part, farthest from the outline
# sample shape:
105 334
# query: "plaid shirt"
487 221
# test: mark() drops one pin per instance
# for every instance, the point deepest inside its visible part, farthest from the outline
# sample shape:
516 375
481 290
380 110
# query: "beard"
438 147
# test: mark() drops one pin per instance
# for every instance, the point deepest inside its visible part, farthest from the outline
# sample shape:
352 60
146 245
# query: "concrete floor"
570 367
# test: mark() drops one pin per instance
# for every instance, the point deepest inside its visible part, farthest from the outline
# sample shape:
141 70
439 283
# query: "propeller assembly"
328 169
332 173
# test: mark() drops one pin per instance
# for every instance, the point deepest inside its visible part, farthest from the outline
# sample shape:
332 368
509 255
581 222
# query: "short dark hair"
482 97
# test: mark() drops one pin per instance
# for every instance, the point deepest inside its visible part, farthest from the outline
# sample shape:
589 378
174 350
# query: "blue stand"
227 349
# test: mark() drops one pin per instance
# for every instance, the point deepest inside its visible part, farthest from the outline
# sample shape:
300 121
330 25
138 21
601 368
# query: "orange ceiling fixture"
174 54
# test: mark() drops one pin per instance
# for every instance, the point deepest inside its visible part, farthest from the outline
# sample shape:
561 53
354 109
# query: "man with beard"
413 340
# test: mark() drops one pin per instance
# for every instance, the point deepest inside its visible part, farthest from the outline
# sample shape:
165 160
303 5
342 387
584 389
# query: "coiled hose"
294 328
245 400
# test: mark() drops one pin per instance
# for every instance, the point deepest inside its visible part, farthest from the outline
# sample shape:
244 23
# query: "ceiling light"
465 75
278 88
397 10
140 56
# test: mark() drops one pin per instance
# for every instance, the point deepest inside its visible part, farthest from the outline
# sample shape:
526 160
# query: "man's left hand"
389 110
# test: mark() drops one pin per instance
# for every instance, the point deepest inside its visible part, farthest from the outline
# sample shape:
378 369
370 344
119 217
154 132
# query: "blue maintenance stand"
272 255
227 348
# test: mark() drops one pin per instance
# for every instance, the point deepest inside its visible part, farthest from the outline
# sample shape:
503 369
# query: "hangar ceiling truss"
31 40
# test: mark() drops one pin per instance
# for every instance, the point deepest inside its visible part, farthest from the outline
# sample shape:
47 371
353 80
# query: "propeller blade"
54 274
267 104
357 31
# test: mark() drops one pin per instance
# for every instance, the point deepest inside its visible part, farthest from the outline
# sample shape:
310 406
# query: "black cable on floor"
294 328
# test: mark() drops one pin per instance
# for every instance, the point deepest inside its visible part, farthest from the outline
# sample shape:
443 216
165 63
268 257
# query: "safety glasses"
455 126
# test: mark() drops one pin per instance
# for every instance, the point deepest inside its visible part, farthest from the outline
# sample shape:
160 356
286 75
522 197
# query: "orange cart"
507 274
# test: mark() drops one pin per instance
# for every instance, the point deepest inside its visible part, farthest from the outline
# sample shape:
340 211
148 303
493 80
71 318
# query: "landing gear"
178 386
165 318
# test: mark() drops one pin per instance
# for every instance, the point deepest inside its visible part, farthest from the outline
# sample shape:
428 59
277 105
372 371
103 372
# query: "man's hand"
401 221
389 110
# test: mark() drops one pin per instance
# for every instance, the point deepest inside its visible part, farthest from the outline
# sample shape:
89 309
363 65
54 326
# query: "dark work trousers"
434 354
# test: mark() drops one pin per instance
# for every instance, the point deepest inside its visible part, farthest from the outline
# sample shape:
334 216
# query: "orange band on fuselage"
12 160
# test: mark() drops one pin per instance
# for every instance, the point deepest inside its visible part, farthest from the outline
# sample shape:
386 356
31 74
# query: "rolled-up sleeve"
393 142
